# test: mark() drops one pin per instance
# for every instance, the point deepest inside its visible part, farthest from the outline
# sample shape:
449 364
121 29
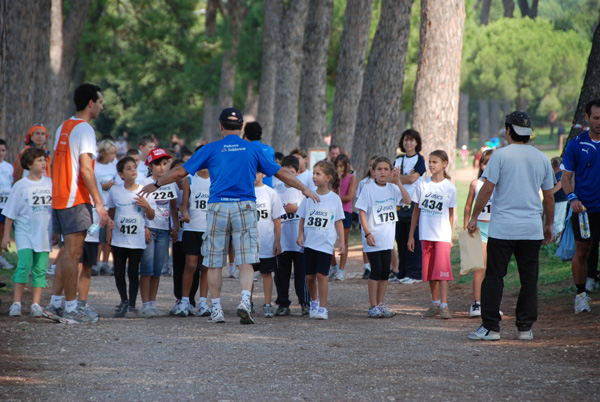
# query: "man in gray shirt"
515 175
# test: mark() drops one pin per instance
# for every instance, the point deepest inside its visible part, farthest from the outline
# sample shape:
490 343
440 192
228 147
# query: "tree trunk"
438 76
494 118
463 120
210 123
379 111
484 122
350 71
24 69
484 16
289 74
251 105
590 89
271 49
236 13
313 106
506 109
210 24
528 11
509 8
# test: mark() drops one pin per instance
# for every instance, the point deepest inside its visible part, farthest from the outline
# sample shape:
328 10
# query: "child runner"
377 210
129 212
483 223
268 210
157 249
347 193
29 207
196 191
560 200
319 223
145 145
304 175
365 180
6 182
435 199
135 154
290 251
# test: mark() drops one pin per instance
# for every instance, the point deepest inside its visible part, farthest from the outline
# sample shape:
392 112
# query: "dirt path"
348 357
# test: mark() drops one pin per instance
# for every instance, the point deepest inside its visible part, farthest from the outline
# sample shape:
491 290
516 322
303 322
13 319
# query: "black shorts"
266 265
317 262
90 254
594 222
192 242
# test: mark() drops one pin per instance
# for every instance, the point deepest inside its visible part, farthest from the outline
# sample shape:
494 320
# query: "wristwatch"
155 183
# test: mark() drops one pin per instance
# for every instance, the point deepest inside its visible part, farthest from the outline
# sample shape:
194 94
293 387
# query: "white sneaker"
175 307
333 271
191 310
51 269
340 275
256 274
582 303
182 309
482 334
15 310
409 281
157 312
5 264
591 285
217 316
146 312
314 308
203 310
322 314
244 311
35 311
475 310
526 335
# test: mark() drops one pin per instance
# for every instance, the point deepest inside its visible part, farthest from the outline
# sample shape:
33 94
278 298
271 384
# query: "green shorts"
36 263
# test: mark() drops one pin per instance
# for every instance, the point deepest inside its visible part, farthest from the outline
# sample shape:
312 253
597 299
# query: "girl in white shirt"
105 171
377 210
319 225
435 199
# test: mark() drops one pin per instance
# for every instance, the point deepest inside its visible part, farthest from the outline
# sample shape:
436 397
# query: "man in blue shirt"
232 163
582 158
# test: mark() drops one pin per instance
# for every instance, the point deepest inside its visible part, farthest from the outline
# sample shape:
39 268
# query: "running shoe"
282 311
132 312
53 313
158 312
305 310
175 307
106 270
366 274
432 311
15 310
387 313
409 281
146 312
333 271
394 279
244 311
203 310
256 275
526 335
475 310
36 311
592 285
445 313
89 310
322 314
95 270
51 269
5 264
340 275
121 310
483 334
78 316
269 311
191 310
314 309
582 303
182 309
217 316
232 271
375 312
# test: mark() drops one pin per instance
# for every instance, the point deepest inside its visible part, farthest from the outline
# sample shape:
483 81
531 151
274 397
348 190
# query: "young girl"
105 171
157 233
483 223
347 193
377 210
367 179
129 211
29 206
435 200
319 223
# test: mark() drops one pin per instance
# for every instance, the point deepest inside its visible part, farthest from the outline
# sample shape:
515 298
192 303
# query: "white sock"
368 266
70 305
56 301
152 303
443 305
216 303
185 300
246 295
146 305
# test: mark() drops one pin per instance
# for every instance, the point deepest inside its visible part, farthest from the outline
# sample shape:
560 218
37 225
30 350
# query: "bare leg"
105 250
18 292
323 289
67 267
435 290
85 279
344 257
267 287
311 284
215 282
381 288
246 276
191 263
145 288
579 265
443 286
373 292
37 295
154 282
204 282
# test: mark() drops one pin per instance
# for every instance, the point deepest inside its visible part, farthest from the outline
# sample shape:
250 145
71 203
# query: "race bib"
432 203
289 217
384 213
37 197
199 200
4 192
262 214
319 219
129 225
164 193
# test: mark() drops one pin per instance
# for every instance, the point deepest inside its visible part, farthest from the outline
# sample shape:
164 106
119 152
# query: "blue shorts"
347 220
156 254
484 227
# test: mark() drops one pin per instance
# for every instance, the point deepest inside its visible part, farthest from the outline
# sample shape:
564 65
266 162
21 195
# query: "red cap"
156 154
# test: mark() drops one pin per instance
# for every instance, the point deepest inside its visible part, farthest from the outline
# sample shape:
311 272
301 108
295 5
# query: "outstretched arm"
291 180
171 176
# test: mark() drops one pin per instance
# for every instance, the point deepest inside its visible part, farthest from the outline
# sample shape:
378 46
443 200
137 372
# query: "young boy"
6 182
304 175
290 251
145 145
29 206
88 259
268 210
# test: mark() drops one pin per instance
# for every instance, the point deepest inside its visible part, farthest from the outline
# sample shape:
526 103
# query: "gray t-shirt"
518 172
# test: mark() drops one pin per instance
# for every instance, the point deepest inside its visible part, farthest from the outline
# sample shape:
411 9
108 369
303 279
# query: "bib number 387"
319 219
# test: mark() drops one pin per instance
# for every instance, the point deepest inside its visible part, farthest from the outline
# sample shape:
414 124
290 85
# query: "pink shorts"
436 261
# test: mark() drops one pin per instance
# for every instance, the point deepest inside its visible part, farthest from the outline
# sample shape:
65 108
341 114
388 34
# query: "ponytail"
444 157
329 170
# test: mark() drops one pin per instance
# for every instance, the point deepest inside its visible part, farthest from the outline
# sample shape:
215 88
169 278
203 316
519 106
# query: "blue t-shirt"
560 195
582 157
232 163
270 152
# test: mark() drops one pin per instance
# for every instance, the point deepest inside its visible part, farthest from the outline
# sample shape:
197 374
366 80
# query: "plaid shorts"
230 219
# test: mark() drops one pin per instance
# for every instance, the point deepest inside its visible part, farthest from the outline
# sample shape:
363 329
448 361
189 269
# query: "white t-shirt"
487 210
161 198
142 173
104 173
6 181
268 208
30 206
361 185
307 179
408 163
379 203
199 193
319 221
434 200
130 219
289 222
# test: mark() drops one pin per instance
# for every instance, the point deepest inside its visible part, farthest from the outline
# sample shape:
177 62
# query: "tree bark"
438 76
271 49
251 106
313 106
463 120
287 91
379 111
484 122
494 118
590 89
350 71
509 8
528 11
484 16
210 125
210 22
24 69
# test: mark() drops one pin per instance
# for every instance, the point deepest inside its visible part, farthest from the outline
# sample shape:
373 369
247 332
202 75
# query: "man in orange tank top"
73 189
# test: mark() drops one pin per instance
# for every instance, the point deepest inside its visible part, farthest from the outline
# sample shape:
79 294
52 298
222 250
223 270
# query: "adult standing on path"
515 175
582 158
232 163
36 138
73 189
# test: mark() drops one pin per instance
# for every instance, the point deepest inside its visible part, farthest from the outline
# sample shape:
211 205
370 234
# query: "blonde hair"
104 147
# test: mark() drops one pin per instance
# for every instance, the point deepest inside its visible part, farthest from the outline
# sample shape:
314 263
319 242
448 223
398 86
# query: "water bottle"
584 225
95 228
